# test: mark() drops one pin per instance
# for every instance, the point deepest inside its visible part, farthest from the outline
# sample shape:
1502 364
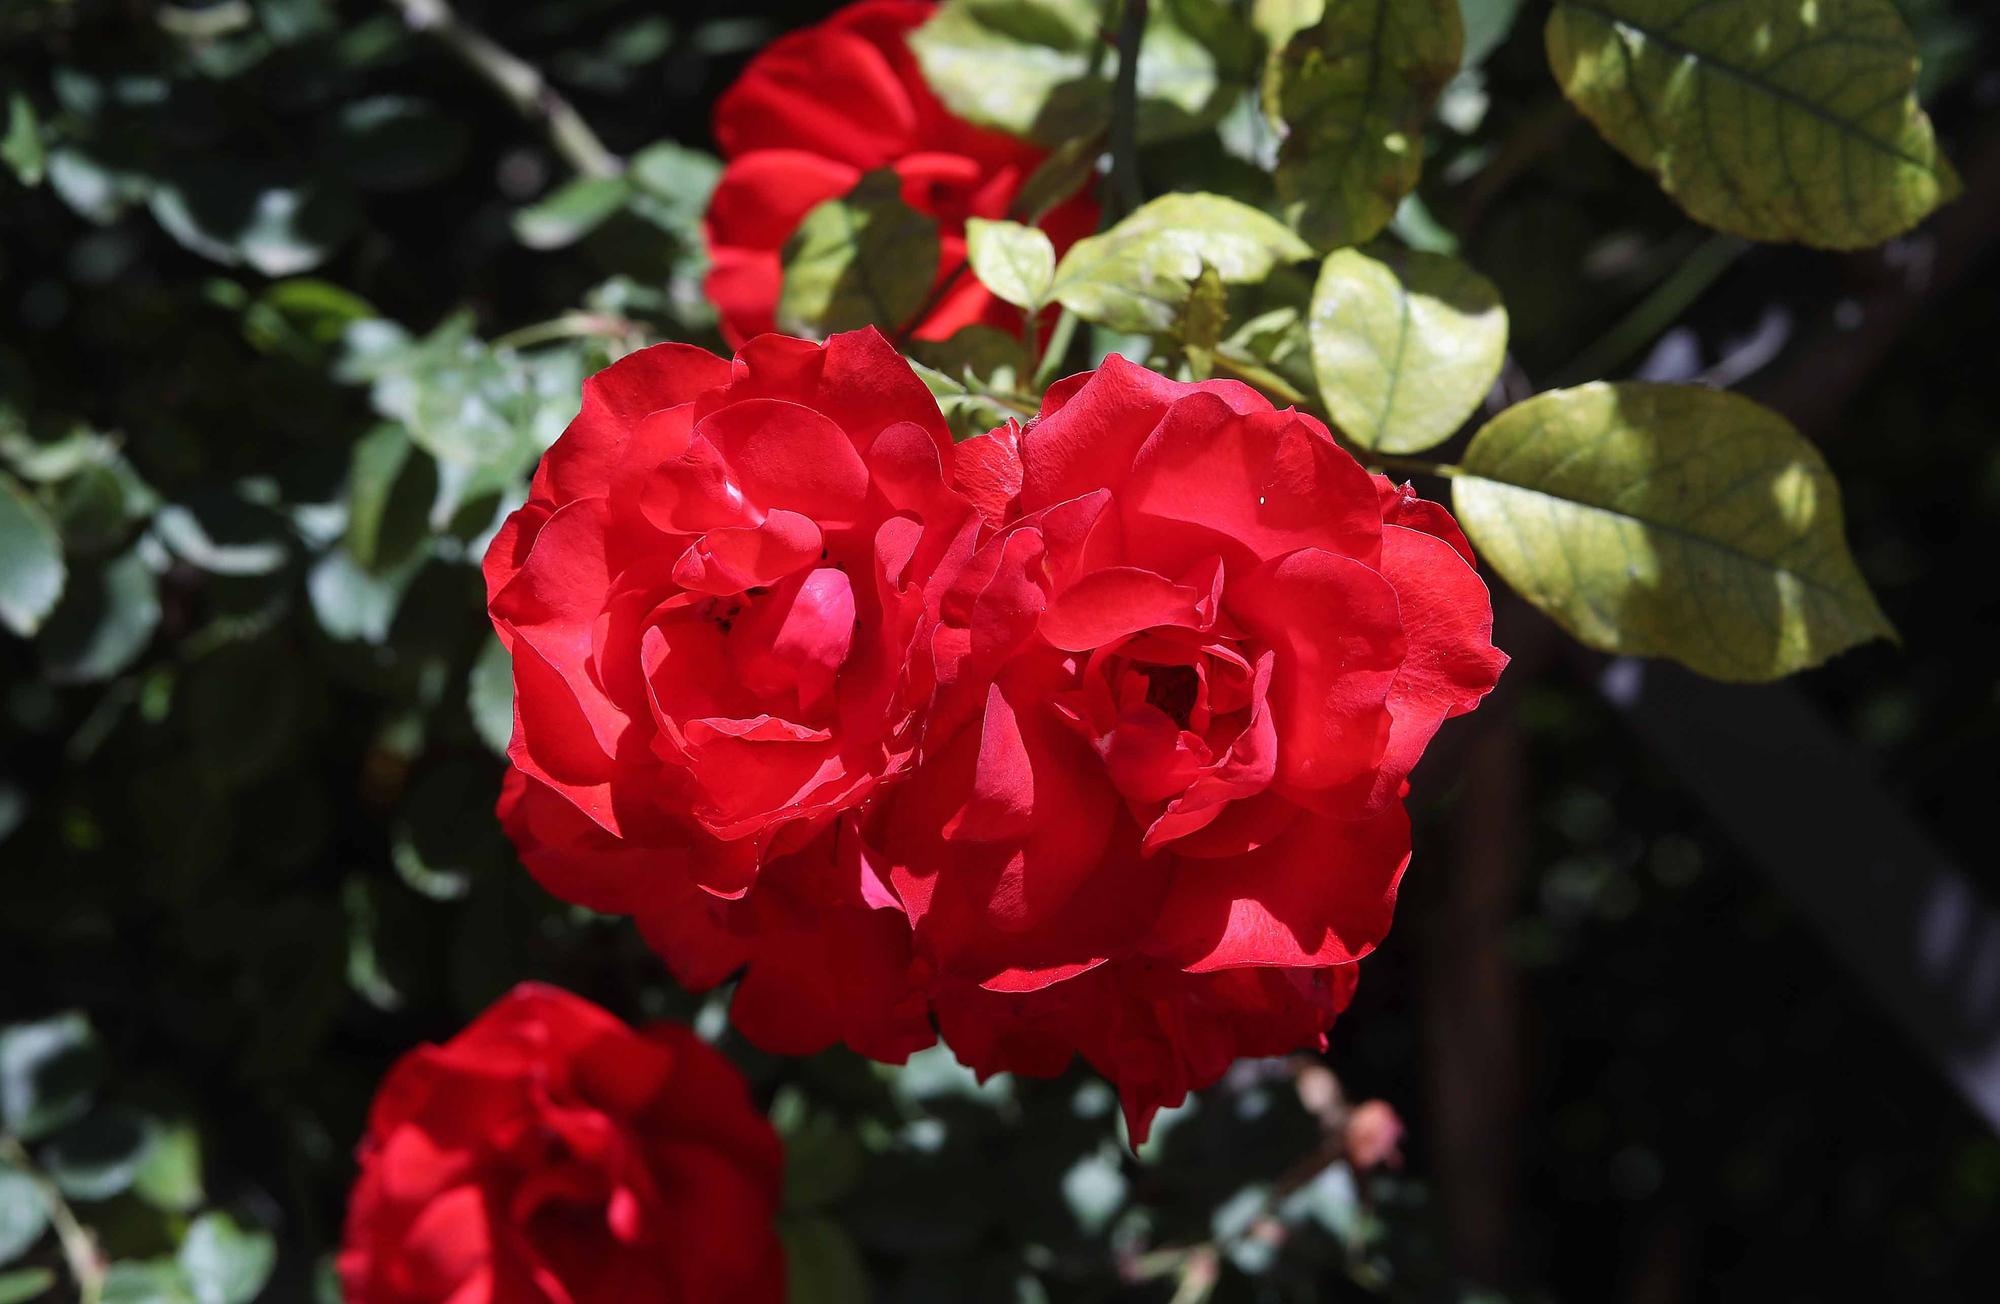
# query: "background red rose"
549 1153
815 110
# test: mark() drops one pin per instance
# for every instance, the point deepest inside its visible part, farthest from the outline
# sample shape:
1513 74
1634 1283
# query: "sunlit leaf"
1669 520
1774 119
106 618
1137 276
48 1074
1043 69
1016 262
1351 94
1404 345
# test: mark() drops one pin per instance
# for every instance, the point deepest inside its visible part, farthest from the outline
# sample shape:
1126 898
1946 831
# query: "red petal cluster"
817 108
1088 736
550 1153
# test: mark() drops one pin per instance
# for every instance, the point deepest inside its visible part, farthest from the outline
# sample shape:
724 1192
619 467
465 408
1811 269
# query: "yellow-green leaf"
1016 262
864 259
1351 94
1404 345
1773 119
1043 69
1669 520
1137 276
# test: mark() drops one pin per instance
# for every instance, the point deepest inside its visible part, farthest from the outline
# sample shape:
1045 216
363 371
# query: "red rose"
710 598
1180 684
819 107
549 1154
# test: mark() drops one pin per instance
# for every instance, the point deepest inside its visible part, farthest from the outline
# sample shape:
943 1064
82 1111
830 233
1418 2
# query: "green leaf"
106 618
23 1213
224 1263
1773 119
1669 520
233 215
864 259
1351 95
821 1264
1016 262
31 564
1043 70
21 148
98 1156
490 696
672 185
1404 345
147 1281
391 487
303 318
48 1074
27 1284
170 1177
1138 275
570 212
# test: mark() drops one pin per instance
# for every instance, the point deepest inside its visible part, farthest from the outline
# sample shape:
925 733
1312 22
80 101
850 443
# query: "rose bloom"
710 598
549 1154
1180 684
816 109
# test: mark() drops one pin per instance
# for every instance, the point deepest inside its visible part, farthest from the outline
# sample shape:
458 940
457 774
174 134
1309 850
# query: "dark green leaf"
105 620
97 1157
570 212
864 259
48 1074
391 487
1352 94
31 563
821 1264
389 142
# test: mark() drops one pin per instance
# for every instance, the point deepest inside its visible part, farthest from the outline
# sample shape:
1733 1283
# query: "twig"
518 81
79 1247
1126 193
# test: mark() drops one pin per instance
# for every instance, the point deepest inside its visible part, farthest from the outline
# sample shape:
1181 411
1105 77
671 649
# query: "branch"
1126 193
79 1247
519 82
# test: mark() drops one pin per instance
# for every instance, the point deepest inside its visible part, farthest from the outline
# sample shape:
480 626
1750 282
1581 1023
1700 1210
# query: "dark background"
260 856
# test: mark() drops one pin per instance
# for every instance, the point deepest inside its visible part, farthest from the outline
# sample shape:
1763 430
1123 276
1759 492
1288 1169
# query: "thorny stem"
518 81
79 1247
1126 193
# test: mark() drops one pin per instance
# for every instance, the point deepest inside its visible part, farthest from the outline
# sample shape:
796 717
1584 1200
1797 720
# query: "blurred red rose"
817 108
1180 684
549 1154
710 599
